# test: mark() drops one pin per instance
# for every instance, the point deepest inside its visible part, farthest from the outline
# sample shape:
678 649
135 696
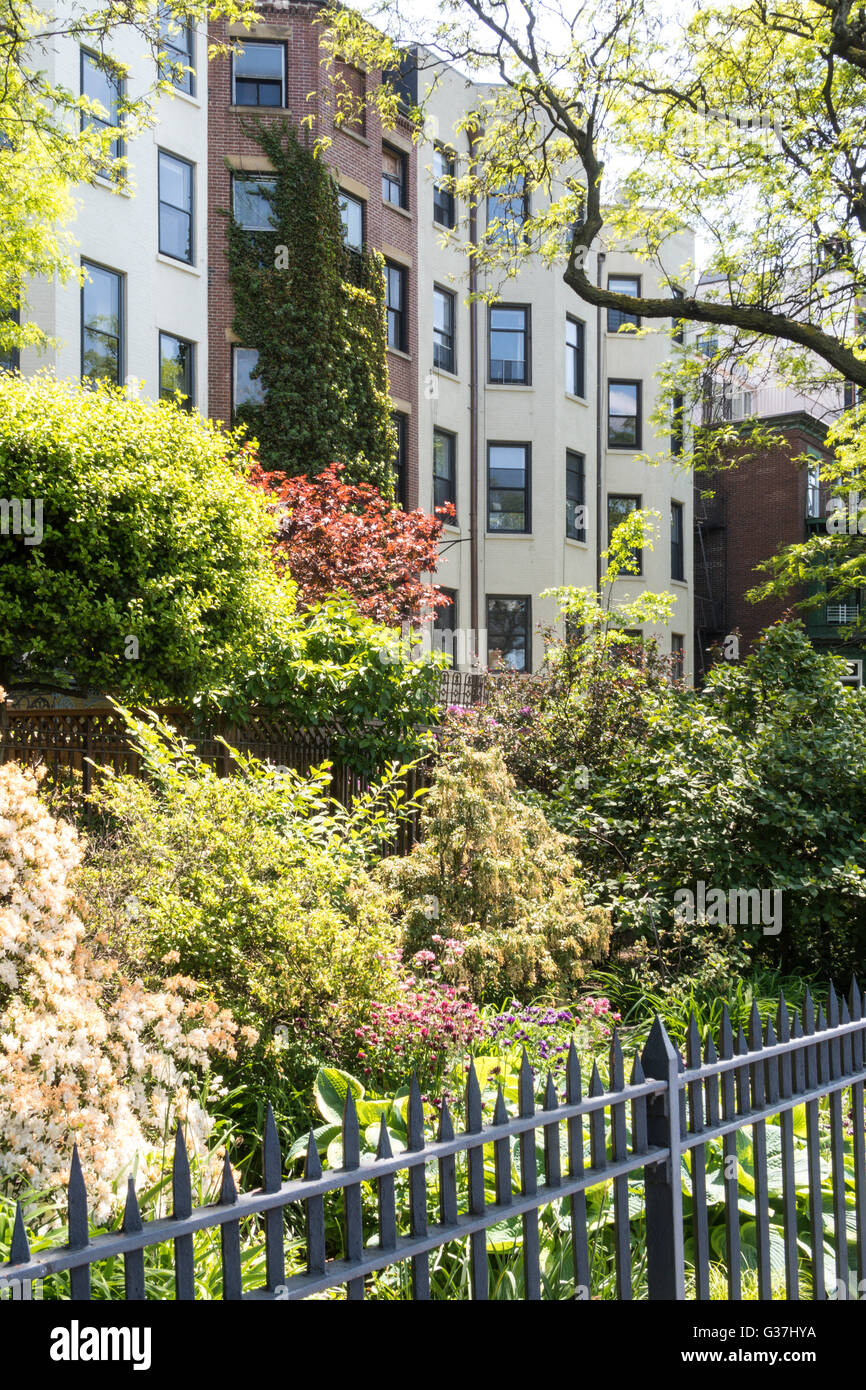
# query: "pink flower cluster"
422 1032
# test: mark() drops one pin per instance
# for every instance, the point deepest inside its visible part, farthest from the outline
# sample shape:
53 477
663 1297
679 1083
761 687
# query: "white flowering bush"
86 1055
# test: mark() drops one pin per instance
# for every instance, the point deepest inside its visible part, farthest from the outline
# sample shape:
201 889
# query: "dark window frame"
579 351
638 417
401 464
439 625
118 145
403 274
526 445
121 320
179 159
181 55
353 198
526 379
616 317
452 437
678 656
678 545
637 552
507 230
444 201
451 300
267 81
239 177
575 533
389 180
526 600
189 402
235 348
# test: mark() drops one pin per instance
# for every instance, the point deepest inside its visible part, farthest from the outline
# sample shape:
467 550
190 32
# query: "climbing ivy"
315 312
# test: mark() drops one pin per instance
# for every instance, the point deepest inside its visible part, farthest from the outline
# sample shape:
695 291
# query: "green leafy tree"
493 887
314 310
146 572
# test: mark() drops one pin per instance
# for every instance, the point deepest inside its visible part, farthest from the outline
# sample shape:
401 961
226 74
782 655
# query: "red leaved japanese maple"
337 537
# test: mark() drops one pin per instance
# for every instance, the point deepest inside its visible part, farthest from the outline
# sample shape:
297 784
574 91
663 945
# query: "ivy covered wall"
315 312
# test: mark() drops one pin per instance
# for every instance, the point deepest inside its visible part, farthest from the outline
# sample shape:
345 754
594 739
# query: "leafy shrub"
86 1056
256 885
150 532
758 781
492 875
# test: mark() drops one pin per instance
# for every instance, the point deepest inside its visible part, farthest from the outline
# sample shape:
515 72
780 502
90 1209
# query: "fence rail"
517 1165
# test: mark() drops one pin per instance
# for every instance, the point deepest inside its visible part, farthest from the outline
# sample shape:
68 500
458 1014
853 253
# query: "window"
678 657
175 208
678 324
813 490
619 508
444 468
678 542
507 211
251 203
444 347
622 284
351 91
352 215
445 626
508 469
677 426
176 369
575 359
177 44
259 74
102 324
394 179
508 344
575 496
508 625
10 360
443 198
400 479
395 305
844 611
103 87
246 388
623 414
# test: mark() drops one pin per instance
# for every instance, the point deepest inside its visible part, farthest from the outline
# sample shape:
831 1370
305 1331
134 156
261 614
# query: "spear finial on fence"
19 1250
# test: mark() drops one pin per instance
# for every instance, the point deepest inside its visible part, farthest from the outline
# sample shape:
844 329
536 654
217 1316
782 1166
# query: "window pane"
176 41
248 390
400 488
506 211
352 214
393 176
100 86
508 632
443 198
507 480
508 345
175 368
618 509
256 60
623 429
621 284
175 207
574 358
575 499
251 204
443 330
101 314
443 468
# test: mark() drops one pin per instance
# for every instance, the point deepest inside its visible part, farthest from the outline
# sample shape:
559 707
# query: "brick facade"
759 507
356 159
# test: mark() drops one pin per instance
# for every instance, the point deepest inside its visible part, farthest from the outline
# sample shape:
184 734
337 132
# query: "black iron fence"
801 1079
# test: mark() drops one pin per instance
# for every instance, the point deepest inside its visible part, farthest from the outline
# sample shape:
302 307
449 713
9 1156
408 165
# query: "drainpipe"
474 604
599 422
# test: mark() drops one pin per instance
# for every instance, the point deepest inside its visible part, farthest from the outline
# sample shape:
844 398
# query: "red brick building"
759 505
281 74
